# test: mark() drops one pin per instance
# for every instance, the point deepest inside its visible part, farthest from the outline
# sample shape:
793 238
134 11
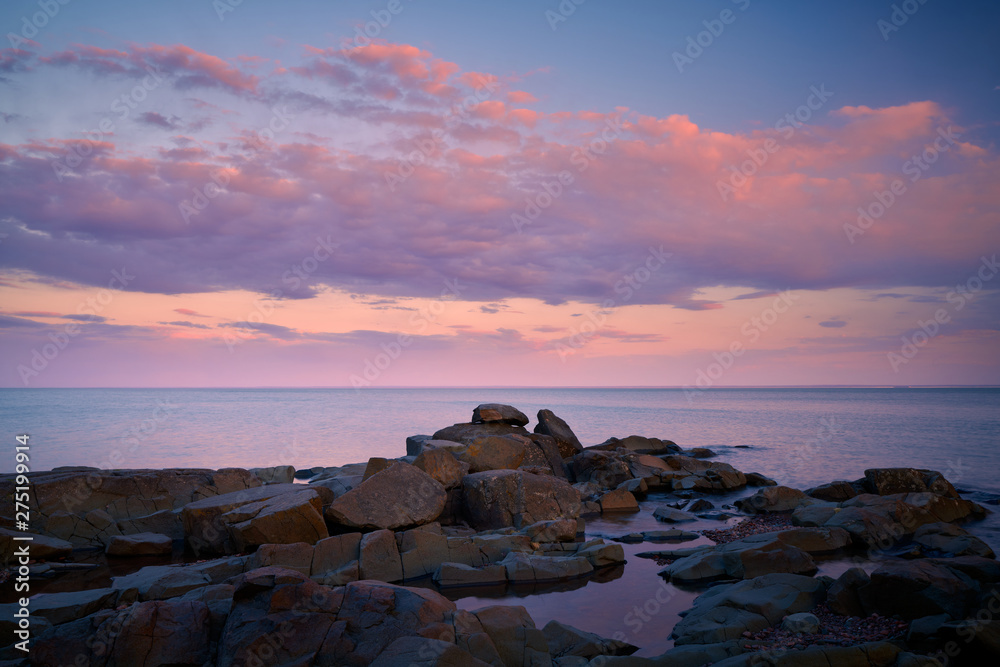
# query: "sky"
580 193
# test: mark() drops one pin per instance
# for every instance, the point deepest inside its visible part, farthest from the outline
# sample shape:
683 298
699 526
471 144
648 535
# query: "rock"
813 515
284 519
425 652
402 495
635 486
670 515
801 623
494 452
59 608
513 633
599 554
42 547
870 654
773 499
700 453
618 500
421 551
639 444
140 544
565 640
466 433
557 530
351 625
501 498
297 556
888 481
757 479
497 412
160 582
834 491
606 470
161 632
527 568
309 473
415 444
275 474
696 655
945 539
699 505
459 574
724 613
204 528
379 557
164 522
376 464
551 425
442 466
671 535
333 553
815 540
911 589
925 628
747 558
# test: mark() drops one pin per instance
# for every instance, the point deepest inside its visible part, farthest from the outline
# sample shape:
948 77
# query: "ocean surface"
800 437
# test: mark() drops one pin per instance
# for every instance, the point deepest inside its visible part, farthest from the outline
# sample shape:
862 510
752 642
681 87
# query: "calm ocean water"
800 437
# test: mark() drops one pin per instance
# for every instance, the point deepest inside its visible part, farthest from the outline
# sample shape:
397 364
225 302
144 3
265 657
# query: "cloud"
833 324
85 318
10 322
181 323
188 312
157 120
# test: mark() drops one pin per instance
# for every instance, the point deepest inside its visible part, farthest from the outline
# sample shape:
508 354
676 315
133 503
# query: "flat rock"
400 496
527 568
140 544
671 515
285 519
59 608
42 546
466 433
459 574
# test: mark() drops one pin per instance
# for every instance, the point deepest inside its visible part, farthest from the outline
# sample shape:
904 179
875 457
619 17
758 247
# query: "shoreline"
488 503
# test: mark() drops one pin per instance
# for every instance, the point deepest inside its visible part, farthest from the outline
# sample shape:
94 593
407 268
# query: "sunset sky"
446 193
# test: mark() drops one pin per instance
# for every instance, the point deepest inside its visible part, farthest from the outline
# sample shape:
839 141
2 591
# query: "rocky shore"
351 565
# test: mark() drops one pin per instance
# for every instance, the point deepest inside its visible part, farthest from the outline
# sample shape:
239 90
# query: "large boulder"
397 497
204 527
495 452
551 425
466 433
836 492
379 558
442 466
285 519
528 568
639 445
605 469
724 613
565 641
888 481
916 588
497 412
946 539
275 474
502 498
512 631
772 499
750 557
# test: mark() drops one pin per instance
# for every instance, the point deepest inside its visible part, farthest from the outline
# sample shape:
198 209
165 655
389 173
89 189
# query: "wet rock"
757 479
699 505
400 496
459 574
888 481
773 499
747 558
945 539
671 515
497 412
379 557
528 568
724 613
513 633
700 453
139 544
834 491
565 640
501 498
442 466
599 554
551 425
618 500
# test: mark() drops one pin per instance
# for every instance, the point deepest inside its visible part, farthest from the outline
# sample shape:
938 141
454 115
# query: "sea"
800 437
